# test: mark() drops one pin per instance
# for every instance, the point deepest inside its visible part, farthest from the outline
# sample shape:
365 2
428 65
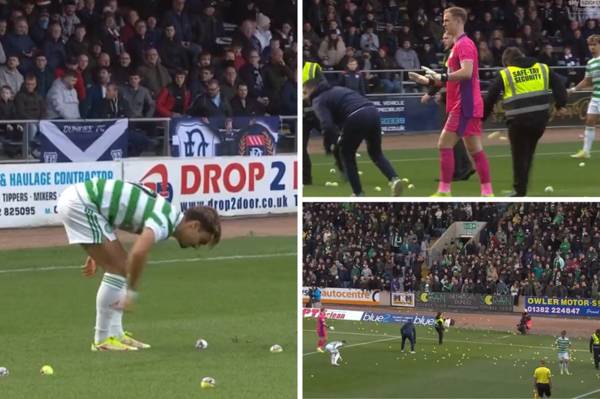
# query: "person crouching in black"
409 332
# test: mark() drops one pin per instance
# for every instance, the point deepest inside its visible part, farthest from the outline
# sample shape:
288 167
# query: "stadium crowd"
130 58
354 36
541 249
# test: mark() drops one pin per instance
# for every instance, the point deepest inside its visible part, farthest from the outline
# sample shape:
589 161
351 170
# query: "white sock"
109 293
561 365
333 358
116 322
336 357
588 138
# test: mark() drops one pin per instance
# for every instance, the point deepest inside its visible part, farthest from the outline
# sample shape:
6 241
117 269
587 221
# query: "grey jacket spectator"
10 75
406 57
62 99
140 101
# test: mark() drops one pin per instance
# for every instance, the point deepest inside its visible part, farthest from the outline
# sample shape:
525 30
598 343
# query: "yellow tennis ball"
47 370
208 382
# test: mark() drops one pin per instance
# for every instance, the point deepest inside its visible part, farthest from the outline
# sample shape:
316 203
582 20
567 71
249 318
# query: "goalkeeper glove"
430 73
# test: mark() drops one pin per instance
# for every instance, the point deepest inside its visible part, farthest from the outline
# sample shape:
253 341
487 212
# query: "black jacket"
497 87
333 105
112 109
409 329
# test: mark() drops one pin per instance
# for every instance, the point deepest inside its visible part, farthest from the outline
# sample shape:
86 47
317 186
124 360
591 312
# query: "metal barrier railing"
29 127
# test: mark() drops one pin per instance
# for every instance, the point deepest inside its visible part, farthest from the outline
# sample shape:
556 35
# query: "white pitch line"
156 262
360 344
585 395
541 154
457 341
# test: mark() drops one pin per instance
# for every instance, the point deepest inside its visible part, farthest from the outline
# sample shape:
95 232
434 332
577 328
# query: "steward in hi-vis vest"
595 348
526 88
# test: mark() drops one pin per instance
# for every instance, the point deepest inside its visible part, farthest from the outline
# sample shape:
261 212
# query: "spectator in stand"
54 49
62 98
120 73
19 43
429 57
387 79
83 67
289 97
211 104
138 97
10 75
112 106
275 74
530 42
139 43
110 36
72 64
242 105
573 75
69 20
78 43
353 78
43 74
96 94
352 37
29 104
199 85
263 30
332 49
547 56
90 16
369 42
406 57
230 83
208 28
172 52
389 39
180 20
154 75
128 30
174 100
251 74
497 51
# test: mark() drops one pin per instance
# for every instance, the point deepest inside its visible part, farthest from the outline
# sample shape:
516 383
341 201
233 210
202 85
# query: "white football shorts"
594 106
84 225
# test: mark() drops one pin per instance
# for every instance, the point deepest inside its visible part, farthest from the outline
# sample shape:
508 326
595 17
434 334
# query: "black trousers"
462 162
440 333
411 339
596 352
523 136
310 122
363 125
543 390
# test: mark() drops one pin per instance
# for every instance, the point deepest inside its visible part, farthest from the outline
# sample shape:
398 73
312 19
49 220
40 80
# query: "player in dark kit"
347 118
409 332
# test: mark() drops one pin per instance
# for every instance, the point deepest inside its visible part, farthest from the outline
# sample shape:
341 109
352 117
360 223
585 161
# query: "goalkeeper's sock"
482 166
116 321
109 293
446 169
588 138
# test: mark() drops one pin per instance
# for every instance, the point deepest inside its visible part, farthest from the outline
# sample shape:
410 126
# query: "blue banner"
398 318
562 306
83 141
406 114
208 137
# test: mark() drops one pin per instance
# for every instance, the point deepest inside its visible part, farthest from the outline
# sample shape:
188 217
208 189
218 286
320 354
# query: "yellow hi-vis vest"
310 71
596 339
525 89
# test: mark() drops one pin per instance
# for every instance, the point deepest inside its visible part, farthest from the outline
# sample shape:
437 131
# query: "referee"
339 107
595 347
525 87
542 380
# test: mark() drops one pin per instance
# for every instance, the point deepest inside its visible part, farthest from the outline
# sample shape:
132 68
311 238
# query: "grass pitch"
240 297
470 364
552 167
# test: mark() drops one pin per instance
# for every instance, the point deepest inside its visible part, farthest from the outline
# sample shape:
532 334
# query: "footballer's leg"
472 138
111 256
589 134
446 144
